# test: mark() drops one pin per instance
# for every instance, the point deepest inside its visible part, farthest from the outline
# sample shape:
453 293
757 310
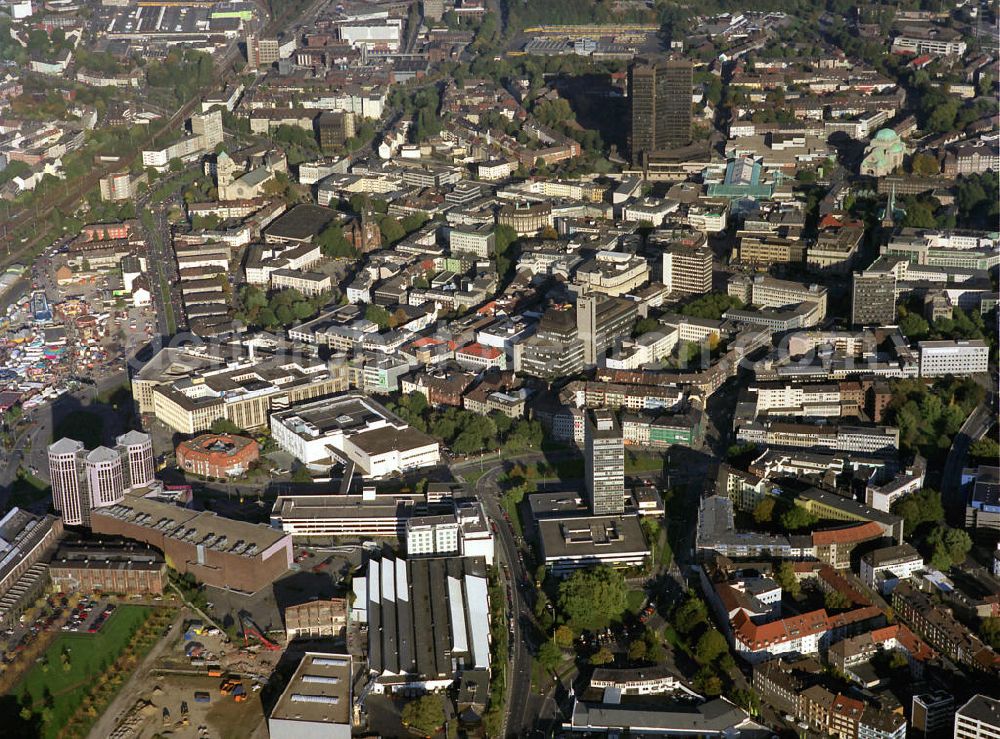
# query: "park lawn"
27 490
643 462
634 601
570 469
472 477
89 655
510 506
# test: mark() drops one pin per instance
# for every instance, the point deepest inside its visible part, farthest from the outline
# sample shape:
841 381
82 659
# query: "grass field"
89 655
634 601
27 490
638 462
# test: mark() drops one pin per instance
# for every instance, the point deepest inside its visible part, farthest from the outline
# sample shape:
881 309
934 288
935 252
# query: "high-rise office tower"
600 322
209 126
687 269
136 450
554 350
82 480
66 493
605 463
873 299
660 96
261 52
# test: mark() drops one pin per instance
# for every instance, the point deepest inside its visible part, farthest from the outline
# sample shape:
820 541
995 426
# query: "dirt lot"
170 678
221 717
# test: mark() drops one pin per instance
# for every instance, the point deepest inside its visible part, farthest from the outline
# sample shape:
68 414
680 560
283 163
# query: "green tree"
424 714
690 614
378 314
948 546
392 230
942 119
989 630
505 239
602 656
836 601
563 636
549 656
284 315
748 700
784 575
763 512
797 518
592 598
711 306
914 326
919 215
417 403
707 682
333 243
637 651
919 508
711 645
224 426
267 318
302 310
924 165
985 449
413 221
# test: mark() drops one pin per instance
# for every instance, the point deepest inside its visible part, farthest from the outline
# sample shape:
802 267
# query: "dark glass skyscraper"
660 96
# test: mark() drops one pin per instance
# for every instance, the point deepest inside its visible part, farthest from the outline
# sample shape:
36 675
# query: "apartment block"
979 718
873 299
951 357
687 268
933 713
478 241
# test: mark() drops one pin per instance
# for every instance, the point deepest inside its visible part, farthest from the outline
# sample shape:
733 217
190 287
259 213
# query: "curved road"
975 426
516 718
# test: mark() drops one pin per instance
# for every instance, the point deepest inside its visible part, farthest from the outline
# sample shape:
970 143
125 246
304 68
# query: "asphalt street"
517 719
975 426
30 447
527 711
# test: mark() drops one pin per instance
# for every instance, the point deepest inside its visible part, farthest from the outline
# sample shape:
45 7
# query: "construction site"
201 683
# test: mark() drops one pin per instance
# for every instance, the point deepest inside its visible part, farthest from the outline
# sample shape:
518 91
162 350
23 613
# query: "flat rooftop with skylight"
317 701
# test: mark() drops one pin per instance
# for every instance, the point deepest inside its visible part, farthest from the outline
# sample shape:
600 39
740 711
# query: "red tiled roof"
759 636
912 643
843 586
733 599
853 616
848 706
426 341
478 350
848 534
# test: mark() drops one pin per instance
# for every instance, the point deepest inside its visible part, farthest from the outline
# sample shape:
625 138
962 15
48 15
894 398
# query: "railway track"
67 201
